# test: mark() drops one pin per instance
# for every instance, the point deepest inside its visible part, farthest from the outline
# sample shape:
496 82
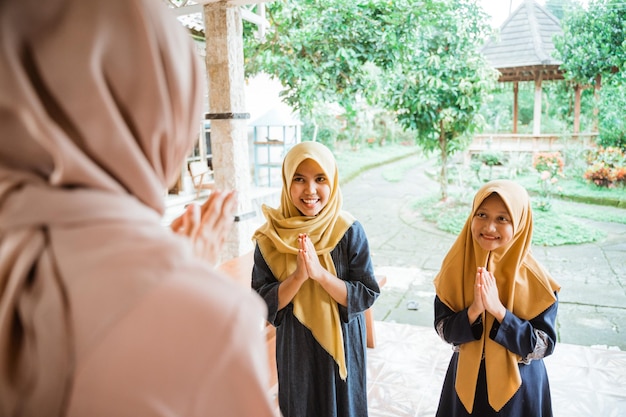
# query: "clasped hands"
486 297
308 264
208 225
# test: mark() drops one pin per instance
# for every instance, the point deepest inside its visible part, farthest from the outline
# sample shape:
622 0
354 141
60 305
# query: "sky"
499 9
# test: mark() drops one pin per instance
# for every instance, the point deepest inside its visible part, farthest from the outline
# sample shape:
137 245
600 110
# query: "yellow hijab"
278 242
524 286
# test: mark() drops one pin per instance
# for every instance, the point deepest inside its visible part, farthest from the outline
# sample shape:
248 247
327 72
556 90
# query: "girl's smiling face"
310 188
492 226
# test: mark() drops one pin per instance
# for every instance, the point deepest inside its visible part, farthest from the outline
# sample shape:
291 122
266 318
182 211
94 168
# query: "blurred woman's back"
103 312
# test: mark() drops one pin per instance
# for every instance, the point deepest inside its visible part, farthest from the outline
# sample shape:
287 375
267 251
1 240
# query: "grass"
562 225
582 192
566 223
352 163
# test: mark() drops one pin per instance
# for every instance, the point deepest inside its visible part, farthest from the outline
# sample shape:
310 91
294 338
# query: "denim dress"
309 384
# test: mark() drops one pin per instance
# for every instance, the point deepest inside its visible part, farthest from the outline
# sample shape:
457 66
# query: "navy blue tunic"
517 335
309 384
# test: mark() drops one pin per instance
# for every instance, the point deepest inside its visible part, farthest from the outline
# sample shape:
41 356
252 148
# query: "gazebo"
523 52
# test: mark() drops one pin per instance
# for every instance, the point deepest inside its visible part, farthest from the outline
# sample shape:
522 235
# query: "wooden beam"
515 105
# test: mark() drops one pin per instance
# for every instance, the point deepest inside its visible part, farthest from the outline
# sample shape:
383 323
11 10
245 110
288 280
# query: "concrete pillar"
229 138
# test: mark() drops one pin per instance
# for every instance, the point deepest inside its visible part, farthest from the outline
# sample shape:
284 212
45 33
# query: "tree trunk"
443 177
596 101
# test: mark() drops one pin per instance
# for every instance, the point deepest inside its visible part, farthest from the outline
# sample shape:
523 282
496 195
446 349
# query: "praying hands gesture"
309 267
486 297
307 258
208 225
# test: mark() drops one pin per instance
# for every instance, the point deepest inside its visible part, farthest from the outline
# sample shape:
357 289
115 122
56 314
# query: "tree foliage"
417 58
612 124
593 48
319 49
593 41
440 86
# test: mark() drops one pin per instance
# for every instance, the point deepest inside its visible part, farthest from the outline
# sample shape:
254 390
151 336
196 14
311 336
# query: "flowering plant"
549 165
607 168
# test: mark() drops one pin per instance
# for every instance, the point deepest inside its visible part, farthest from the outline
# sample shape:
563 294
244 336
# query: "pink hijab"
99 104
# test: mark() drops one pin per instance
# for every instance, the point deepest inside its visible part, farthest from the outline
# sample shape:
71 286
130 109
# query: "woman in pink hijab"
104 312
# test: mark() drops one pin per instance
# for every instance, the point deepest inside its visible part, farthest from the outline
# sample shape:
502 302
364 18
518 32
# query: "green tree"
612 124
442 81
333 51
593 41
418 59
319 50
593 51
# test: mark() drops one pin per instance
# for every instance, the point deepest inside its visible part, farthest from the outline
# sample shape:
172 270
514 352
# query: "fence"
515 142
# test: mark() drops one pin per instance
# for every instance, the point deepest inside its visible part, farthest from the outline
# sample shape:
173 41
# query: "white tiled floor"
407 367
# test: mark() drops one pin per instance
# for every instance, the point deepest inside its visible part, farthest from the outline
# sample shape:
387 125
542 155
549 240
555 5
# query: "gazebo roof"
524 48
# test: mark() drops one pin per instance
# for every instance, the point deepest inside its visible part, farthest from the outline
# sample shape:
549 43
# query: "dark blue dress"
309 384
517 335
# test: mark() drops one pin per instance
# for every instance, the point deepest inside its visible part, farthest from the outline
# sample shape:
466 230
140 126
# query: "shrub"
549 165
491 158
607 168
549 161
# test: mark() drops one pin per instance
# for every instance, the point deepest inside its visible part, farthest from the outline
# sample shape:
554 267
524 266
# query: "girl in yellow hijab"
497 306
312 266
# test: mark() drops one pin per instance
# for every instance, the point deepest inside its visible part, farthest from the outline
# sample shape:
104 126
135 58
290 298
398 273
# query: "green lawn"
351 163
563 224
566 222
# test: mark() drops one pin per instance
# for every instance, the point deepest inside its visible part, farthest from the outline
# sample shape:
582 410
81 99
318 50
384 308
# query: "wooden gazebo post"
537 101
515 105
577 91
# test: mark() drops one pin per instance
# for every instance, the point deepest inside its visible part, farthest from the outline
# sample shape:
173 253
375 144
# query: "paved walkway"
592 308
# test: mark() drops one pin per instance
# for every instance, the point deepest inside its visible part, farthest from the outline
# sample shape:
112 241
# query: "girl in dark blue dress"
497 306
312 266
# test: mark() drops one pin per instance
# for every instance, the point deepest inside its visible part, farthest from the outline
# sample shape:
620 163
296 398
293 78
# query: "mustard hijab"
524 286
278 241
99 104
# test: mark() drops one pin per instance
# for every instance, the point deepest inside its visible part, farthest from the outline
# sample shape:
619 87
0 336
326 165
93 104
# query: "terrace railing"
519 142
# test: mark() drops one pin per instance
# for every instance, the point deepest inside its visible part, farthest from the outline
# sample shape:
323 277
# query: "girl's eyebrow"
297 174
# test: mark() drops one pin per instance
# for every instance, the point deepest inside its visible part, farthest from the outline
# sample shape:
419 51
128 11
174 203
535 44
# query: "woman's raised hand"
208 225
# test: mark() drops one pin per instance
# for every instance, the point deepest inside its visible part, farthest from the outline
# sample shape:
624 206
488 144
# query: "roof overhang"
531 73
194 7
